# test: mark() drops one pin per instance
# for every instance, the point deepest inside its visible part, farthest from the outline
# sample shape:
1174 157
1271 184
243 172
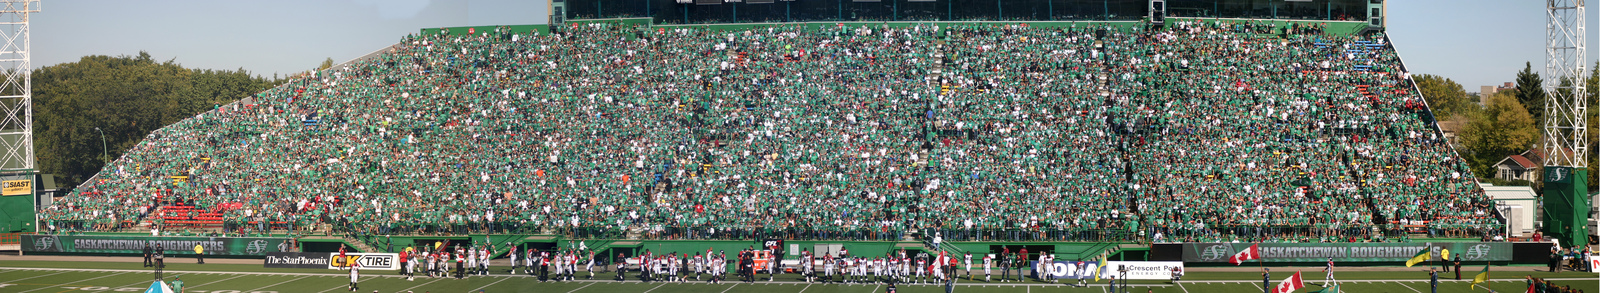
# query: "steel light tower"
1566 146
16 90
1565 135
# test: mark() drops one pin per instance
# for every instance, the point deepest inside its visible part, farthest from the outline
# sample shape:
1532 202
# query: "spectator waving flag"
1290 284
1421 256
1254 252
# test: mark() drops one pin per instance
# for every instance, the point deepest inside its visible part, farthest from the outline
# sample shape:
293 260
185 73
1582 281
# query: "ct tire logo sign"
47 243
368 261
1215 252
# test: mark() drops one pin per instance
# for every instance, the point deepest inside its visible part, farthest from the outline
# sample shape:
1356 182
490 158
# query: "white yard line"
584 286
78 281
47 275
141 285
659 286
280 283
730 288
1403 284
423 284
346 286
803 290
1258 287
874 289
1180 286
217 281
490 284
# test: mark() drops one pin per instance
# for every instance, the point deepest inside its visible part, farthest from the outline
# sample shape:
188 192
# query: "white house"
1518 204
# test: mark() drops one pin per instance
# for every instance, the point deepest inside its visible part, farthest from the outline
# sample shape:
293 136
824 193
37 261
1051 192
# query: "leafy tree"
1593 85
1530 91
1504 128
126 97
326 64
1445 96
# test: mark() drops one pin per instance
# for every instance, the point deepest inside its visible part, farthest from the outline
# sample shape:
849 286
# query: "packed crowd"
1198 131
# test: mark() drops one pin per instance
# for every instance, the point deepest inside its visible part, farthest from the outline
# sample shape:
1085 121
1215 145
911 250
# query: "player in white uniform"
428 258
988 262
1045 267
483 261
806 266
719 268
697 265
968 260
588 265
355 273
1327 278
513 256
827 267
472 260
572 264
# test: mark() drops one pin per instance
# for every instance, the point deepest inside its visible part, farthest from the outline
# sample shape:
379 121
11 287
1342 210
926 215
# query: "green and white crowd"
1200 131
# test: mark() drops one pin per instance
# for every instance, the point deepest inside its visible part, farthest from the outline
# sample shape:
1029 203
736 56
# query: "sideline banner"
1137 270
296 260
135 244
368 261
1347 252
1063 269
1142 270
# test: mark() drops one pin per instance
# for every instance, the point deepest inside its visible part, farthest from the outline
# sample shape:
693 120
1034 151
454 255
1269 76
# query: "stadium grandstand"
1056 126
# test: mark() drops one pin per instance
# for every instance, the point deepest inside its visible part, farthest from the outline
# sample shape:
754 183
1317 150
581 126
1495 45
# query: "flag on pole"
1254 252
1421 256
1100 268
1290 284
1482 276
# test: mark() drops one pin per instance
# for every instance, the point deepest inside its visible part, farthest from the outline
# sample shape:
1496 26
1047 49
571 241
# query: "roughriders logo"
1215 252
1477 252
47 243
256 247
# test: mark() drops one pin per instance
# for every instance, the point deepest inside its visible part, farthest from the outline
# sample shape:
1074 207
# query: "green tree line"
125 97
1508 122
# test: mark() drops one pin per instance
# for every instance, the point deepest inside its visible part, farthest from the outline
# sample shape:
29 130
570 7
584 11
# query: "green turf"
43 280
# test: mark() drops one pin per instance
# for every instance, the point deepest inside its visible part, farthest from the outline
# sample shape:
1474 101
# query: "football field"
61 277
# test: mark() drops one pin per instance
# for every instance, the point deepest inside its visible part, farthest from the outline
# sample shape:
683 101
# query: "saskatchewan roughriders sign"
136 244
1347 252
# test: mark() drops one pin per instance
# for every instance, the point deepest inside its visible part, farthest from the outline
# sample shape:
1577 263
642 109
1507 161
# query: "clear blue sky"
1475 42
264 37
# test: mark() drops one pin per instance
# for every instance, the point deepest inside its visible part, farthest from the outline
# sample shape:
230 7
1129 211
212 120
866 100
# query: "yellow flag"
1421 256
1483 277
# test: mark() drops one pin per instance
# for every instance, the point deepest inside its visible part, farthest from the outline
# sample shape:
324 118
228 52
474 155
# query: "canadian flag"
1290 284
1254 252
